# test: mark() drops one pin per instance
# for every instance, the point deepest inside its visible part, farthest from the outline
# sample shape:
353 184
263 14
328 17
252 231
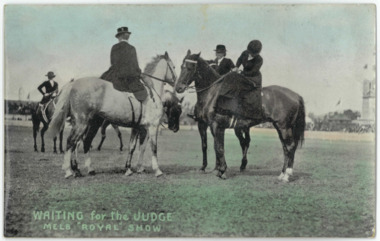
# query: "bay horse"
103 128
43 114
282 107
90 101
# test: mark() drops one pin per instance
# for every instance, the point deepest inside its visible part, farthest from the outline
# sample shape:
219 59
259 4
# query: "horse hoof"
91 173
202 169
78 174
42 150
159 173
128 173
281 176
98 149
68 174
140 170
223 176
242 169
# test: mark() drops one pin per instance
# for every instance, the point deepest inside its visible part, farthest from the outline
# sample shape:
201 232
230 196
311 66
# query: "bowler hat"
220 48
122 30
254 47
50 74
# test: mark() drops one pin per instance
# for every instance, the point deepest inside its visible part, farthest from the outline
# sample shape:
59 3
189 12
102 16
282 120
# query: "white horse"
88 101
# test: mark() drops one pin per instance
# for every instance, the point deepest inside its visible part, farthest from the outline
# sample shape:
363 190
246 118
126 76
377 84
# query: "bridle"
168 67
196 72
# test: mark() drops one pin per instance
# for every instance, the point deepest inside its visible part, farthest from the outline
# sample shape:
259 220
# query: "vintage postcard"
189 120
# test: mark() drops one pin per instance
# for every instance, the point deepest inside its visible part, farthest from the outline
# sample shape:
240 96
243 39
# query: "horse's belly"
118 108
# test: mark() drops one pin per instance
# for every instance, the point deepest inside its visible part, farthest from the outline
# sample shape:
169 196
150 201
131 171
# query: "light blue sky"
316 50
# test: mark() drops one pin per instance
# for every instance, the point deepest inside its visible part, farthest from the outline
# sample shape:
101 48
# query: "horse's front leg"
132 147
153 133
144 137
116 128
42 137
202 128
103 132
60 141
55 144
35 130
244 143
219 150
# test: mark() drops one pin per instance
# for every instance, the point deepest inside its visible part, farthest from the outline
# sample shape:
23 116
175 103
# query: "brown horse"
103 128
44 114
281 106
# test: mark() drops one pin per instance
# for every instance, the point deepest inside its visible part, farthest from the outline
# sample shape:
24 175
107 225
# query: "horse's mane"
151 66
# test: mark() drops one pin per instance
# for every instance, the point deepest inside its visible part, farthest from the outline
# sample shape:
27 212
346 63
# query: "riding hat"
122 30
50 75
220 48
254 47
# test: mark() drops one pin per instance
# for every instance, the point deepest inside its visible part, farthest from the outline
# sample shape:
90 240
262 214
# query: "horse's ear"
166 55
180 101
188 52
198 55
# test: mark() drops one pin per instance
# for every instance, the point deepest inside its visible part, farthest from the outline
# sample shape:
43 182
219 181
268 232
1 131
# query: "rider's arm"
40 88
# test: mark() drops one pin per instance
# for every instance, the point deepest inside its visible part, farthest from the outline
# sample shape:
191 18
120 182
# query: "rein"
208 87
162 80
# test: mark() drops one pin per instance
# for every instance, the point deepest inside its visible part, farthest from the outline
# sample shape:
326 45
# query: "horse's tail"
62 110
299 127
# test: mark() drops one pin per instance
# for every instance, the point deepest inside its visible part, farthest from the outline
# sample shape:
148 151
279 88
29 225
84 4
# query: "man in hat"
125 72
221 64
51 88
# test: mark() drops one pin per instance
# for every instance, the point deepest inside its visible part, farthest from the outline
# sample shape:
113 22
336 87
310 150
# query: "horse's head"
172 109
188 71
170 76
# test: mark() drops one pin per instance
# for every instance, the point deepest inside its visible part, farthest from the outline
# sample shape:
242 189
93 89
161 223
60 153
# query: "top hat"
122 30
220 48
254 47
50 74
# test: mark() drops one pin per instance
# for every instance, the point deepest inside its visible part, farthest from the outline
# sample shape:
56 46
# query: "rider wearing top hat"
51 88
251 61
221 64
125 72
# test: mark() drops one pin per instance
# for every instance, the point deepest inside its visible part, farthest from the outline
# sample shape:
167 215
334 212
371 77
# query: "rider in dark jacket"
221 64
51 88
125 72
252 62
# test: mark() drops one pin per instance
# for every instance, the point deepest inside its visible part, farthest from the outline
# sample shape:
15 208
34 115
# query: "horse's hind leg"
103 132
93 128
132 147
60 141
116 128
289 146
143 142
244 143
70 164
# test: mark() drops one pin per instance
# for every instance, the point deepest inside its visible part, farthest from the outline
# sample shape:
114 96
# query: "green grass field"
332 192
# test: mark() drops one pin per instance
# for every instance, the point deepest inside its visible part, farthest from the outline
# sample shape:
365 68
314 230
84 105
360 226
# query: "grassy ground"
332 193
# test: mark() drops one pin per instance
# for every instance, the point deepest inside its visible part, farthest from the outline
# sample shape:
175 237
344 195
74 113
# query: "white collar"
124 40
220 60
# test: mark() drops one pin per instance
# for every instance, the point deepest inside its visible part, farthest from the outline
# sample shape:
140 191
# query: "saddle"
240 96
